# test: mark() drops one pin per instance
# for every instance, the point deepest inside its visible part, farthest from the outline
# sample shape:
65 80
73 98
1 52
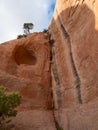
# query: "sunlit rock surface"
25 67
57 76
75 63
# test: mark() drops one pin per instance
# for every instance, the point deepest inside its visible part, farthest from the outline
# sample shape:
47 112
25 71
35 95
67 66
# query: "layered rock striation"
56 71
75 79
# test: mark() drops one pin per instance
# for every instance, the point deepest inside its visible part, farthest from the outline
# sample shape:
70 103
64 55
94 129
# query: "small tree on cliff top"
26 27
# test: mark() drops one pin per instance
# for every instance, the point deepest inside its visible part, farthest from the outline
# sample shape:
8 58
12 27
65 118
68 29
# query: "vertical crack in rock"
57 126
73 10
57 80
54 68
83 1
55 72
75 72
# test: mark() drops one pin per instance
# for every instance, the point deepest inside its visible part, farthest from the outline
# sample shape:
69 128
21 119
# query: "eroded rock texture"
25 67
74 29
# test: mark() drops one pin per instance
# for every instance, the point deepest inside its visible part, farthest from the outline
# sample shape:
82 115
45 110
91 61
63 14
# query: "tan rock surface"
25 67
34 120
74 29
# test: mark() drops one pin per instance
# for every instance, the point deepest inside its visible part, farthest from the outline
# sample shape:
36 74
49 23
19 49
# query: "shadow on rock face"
75 59
76 43
23 56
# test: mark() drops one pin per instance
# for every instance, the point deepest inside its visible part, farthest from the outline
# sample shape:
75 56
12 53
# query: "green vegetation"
45 30
21 36
26 27
8 103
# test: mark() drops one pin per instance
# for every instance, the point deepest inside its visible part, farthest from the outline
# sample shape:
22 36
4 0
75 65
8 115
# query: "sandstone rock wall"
74 29
72 72
25 67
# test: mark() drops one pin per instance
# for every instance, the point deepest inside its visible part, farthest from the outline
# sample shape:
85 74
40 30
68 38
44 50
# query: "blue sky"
14 13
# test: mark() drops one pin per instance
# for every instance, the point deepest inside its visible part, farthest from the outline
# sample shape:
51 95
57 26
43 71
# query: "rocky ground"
33 120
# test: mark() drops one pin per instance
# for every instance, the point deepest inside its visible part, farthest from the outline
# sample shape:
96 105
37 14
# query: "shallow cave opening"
24 56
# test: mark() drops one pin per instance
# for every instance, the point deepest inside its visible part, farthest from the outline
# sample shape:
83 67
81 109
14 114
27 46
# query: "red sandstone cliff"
26 67
75 63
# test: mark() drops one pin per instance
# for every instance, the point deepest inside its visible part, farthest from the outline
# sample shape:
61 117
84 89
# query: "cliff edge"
56 71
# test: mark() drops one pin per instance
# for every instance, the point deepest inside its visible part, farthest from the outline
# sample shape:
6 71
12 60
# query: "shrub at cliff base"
8 103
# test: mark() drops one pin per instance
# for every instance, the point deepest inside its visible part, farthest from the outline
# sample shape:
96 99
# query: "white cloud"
13 13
